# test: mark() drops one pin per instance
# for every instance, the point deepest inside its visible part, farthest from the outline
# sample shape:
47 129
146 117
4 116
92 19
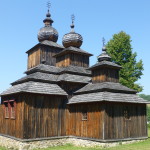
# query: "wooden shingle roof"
44 68
38 76
52 78
35 87
105 63
105 86
47 43
56 70
106 96
73 49
74 78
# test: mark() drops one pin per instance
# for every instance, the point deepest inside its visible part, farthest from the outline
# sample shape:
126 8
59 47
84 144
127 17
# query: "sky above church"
94 19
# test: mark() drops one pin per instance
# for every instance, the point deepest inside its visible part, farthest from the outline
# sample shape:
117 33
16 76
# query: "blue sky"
21 20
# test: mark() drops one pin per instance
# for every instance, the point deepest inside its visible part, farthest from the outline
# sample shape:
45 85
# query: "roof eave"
71 51
105 65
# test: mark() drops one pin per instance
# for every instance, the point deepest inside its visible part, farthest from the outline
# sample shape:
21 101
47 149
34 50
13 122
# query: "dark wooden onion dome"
48 32
105 70
72 39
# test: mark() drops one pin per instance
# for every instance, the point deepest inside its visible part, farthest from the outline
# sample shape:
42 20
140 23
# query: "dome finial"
48 21
104 56
72 25
103 39
48 6
104 48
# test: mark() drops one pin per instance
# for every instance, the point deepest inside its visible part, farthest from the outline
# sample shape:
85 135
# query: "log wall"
118 127
44 116
12 127
72 59
42 53
92 127
40 116
105 75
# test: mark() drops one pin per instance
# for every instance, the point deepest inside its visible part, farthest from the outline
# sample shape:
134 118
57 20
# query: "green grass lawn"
145 145
149 132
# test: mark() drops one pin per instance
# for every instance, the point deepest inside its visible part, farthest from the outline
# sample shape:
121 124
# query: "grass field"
144 145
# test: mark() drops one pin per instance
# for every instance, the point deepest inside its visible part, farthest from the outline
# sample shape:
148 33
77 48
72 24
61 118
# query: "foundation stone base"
15 144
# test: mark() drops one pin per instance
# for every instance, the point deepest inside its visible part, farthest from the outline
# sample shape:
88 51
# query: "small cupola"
48 32
105 70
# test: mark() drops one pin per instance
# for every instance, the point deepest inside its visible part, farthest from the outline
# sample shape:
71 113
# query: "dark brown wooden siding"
92 127
71 87
44 116
118 127
72 59
105 75
42 53
12 127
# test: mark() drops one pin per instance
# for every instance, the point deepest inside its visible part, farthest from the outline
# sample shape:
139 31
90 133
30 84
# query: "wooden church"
62 96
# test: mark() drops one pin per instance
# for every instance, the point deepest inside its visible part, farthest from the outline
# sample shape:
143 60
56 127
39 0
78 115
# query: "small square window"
127 113
84 115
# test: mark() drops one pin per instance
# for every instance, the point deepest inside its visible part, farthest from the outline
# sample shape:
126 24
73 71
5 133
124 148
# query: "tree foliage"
120 49
146 97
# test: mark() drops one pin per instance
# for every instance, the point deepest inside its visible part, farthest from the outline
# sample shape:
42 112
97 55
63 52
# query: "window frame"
9 109
12 104
6 109
84 115
126 113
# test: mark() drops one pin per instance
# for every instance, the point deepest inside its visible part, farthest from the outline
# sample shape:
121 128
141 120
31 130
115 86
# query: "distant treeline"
146 97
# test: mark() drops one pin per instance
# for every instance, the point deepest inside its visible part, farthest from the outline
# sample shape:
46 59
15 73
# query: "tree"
120 49
146 97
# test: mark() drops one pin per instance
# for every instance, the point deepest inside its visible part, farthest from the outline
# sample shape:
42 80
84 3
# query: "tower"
105 70
43 52
72 54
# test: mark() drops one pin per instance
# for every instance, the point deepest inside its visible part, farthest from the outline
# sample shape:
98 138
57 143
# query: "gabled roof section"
105 86
72 49
104 64
47 43
107 96
38 76
35 87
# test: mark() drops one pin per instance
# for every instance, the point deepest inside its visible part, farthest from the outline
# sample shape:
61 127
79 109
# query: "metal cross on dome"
48 5
103 40
72 18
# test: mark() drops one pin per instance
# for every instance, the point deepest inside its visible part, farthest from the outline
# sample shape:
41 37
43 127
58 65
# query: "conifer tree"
120 49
